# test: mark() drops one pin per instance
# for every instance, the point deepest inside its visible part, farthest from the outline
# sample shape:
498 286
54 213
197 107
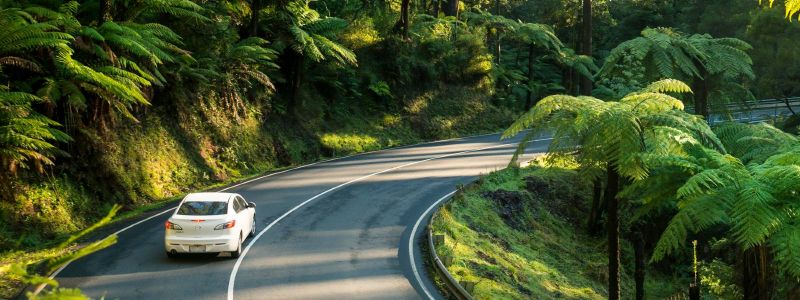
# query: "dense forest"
132 102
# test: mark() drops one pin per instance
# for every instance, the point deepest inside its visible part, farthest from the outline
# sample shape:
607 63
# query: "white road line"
238 264
411 243
40 287
57 271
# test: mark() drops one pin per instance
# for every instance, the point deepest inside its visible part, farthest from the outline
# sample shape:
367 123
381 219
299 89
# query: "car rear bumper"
200 245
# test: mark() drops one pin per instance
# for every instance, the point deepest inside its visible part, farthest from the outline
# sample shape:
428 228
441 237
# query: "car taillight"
170 225
225 225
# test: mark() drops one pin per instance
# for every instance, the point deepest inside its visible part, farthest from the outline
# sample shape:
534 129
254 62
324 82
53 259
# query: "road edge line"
234 271
411 242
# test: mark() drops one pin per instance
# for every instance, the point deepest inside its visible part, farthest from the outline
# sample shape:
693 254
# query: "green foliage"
776 49
167 96
348 144
309 34
26 137
23 268
537 251
792 7
669 53
666 53
755 200
717 279
612 133
243 66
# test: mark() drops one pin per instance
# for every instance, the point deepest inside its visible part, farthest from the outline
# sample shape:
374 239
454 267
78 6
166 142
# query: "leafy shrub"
349 143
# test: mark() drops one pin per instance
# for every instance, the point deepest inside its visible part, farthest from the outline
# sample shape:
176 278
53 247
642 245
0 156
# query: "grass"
157 163
517 235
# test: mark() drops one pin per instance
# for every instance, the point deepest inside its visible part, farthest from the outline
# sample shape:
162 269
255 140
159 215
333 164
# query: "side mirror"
251 205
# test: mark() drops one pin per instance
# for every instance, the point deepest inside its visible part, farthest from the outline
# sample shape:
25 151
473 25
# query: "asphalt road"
336 230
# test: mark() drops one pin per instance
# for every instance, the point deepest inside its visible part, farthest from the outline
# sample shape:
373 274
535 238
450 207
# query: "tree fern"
244 64
311 35
183 9
756 201
666 53
26 137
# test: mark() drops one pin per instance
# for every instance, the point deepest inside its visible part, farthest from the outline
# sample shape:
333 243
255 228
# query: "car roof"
214 197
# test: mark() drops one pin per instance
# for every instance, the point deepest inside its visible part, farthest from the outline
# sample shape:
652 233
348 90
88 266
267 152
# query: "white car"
210 223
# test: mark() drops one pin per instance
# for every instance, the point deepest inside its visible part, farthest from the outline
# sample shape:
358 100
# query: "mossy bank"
519 234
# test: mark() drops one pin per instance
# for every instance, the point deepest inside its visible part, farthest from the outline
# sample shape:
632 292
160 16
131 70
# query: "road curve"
343 229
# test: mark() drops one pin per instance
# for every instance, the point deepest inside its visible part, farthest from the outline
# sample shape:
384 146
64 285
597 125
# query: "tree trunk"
402 23
529 98
639 264
756 271
700 90
437 5
497 48
255 7
596 210
105 11
789 106
451 10
295 76
612 225
794 291
586 45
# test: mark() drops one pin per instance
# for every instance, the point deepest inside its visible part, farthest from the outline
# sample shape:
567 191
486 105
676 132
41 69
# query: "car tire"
253 229
171 255
238 252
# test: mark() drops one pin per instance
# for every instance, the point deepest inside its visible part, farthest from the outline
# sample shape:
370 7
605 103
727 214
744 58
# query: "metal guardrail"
455 288
753 111
750 112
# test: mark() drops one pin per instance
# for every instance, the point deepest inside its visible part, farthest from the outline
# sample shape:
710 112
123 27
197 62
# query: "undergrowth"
143 166
517 234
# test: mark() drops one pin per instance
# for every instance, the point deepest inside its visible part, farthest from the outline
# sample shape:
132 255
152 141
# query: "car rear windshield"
203 208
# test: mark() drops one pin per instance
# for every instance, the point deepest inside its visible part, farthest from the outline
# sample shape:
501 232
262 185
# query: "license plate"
199 248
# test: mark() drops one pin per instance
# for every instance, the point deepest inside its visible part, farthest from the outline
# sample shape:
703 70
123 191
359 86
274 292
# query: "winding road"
339 229
347 228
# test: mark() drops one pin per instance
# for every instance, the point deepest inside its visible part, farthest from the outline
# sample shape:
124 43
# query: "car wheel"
238 252
253 228
171 255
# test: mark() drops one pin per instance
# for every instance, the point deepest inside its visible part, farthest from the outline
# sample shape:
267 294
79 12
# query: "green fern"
666 53
311 35
244 64
607 132
753 191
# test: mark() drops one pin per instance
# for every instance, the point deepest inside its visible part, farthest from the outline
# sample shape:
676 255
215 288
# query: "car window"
242 202
203 208
237 207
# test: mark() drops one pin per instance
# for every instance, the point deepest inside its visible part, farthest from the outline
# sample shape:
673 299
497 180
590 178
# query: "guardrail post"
438 239
447 260
468 285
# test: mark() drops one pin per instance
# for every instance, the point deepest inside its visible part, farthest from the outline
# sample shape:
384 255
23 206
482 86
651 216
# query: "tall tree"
710 63
105 13
451 9
27 138
586 45
749 186
305 36
611 135
255 16
403 23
